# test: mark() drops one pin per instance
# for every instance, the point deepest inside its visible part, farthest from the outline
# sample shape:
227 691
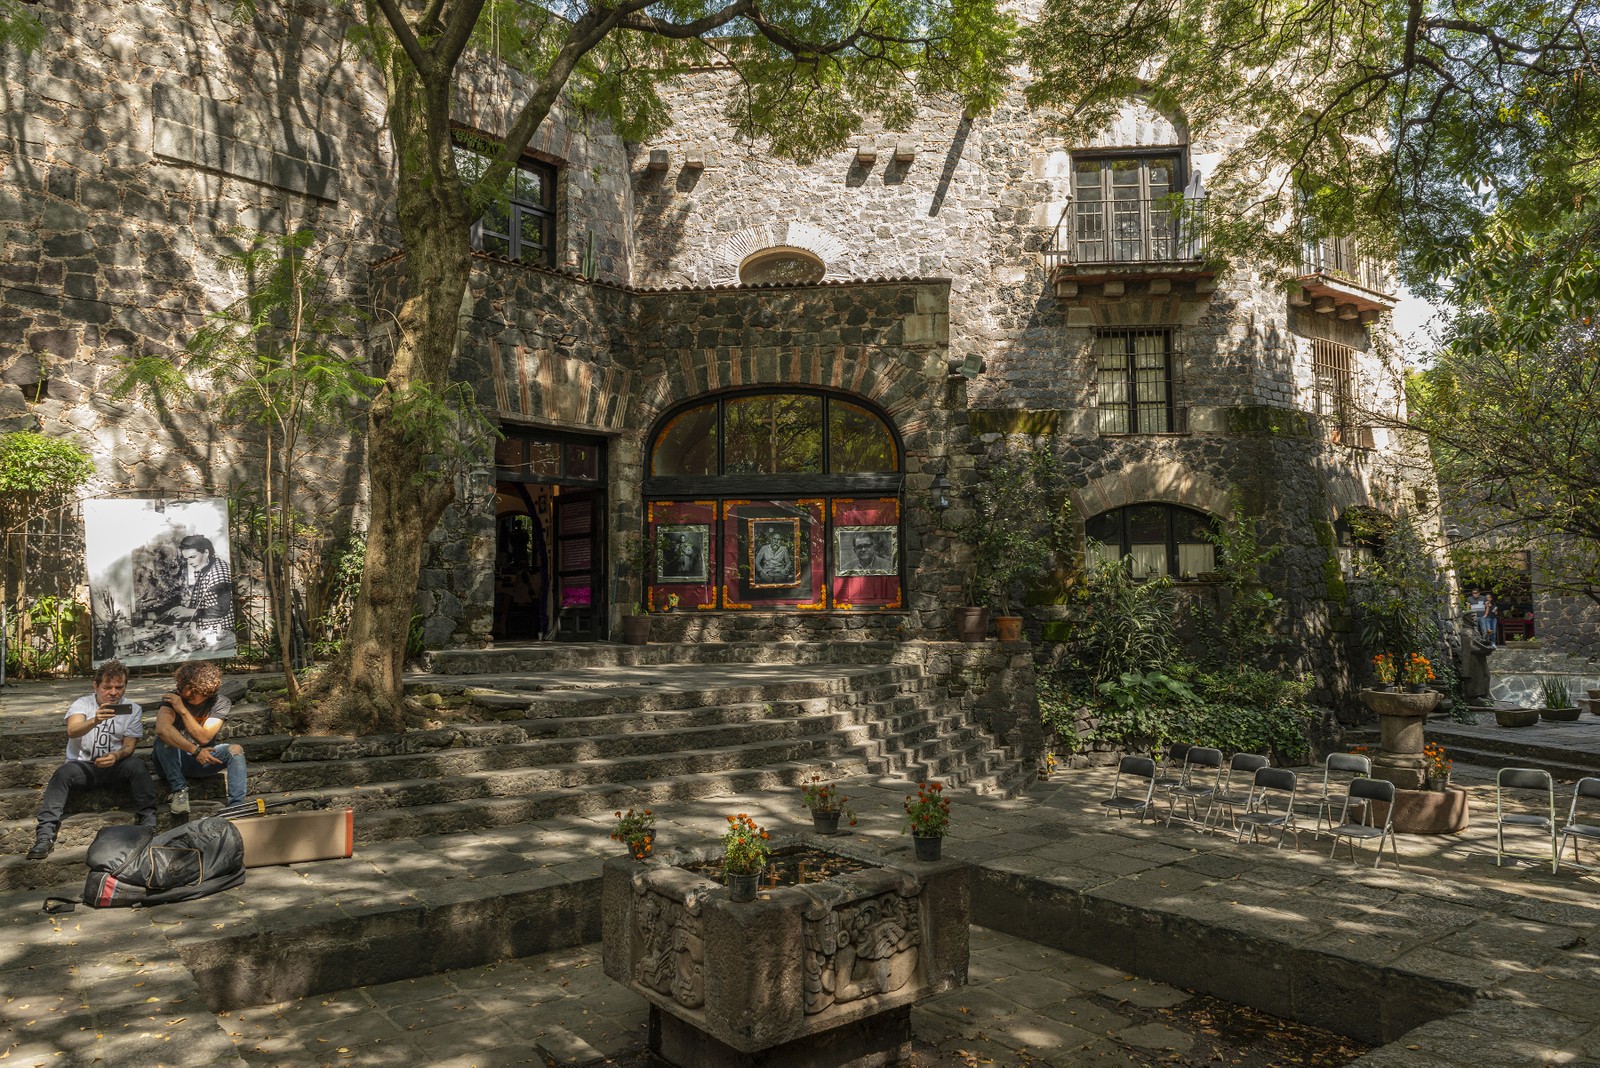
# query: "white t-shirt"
105 737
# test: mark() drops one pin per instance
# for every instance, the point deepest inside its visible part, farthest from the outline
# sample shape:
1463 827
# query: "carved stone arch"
1154 482
742 245
1141 124
893 389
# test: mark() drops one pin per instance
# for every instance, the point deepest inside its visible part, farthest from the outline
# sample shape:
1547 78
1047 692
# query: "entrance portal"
549 537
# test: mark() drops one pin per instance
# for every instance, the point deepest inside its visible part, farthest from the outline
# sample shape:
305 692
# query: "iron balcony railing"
1168 229
1338 257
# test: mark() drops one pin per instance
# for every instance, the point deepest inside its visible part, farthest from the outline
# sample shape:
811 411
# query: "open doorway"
549 537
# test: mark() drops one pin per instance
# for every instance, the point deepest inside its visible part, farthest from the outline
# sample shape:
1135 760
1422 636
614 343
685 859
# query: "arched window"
774 500
781 265
1162 539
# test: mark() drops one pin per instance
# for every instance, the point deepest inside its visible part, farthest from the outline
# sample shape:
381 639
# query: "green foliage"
1556 694
1238 711
1401 125
283 358
37 473
1022 522
1400 592
1251 610
1125 627
45 638
345 583
19 27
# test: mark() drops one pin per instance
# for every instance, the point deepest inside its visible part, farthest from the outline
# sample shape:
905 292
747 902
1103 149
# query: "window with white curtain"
1156 539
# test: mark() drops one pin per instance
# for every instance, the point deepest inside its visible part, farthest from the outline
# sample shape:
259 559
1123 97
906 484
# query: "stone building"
755 391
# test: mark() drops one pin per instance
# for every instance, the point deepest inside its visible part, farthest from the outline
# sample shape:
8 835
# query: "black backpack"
129 866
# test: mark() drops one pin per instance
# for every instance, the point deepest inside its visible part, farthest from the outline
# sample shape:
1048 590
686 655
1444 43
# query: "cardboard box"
294 837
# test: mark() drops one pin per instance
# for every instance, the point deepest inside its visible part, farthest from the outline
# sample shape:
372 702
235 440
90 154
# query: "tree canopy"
1407 126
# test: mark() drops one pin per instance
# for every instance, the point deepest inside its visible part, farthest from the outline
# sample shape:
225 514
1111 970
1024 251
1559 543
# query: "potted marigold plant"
826 804
927 818
745 851
1437 766
1384 668
1418 672
636 831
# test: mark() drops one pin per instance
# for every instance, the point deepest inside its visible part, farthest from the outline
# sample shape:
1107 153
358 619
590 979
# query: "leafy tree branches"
1405 125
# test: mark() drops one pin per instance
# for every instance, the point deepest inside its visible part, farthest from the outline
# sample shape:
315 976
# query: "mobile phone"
122 709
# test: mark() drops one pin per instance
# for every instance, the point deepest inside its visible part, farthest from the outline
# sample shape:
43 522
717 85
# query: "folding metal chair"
1586 788
1226 797
1523 815
1135 768
1169 773
1369 792
1201 779
1271 805
1334 789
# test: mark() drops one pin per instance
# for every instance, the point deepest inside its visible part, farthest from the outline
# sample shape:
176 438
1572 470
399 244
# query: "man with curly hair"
186 729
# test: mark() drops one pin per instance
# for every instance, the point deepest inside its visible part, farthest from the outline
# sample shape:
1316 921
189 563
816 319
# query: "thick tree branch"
457 32
402 33
681 31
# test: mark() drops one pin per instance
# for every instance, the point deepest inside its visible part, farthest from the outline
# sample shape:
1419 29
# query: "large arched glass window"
774 500
1161 539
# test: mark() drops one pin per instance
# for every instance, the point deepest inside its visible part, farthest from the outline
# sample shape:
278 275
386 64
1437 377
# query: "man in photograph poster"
160 583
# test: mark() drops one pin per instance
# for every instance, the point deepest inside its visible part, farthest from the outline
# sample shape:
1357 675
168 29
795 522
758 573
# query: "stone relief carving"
671 959
863 949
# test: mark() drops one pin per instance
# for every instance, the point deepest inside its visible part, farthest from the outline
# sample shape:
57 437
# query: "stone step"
539 657
1561 768
50 740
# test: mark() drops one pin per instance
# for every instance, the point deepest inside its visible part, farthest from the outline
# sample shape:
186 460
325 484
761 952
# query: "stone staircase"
548 731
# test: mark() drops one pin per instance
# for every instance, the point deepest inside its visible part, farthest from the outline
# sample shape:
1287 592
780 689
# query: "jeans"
178 767
82 775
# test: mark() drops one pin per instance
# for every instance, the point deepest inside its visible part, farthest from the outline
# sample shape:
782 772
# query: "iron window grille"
520 223
1133 376
1333 366
1130 209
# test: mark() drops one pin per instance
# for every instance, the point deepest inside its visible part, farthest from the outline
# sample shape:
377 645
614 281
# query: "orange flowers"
744 846
928 813
637 831
1383 667
1418 670
1437 763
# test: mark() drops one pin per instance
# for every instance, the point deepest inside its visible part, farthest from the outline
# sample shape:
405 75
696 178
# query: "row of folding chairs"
1257 798
1525 798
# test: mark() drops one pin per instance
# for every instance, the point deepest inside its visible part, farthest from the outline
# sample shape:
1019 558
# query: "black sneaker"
42 847
148 822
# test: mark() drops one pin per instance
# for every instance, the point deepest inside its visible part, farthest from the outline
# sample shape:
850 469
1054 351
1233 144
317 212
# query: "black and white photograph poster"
863 551
160 580
682 552
773 548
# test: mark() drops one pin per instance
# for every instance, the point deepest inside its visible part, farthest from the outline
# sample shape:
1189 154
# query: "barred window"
1154 540
1134 375
1333 365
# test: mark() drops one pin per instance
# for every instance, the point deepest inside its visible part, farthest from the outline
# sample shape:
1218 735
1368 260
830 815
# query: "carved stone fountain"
820 973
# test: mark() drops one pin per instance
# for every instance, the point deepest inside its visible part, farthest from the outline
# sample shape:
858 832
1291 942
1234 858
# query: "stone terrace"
1448 959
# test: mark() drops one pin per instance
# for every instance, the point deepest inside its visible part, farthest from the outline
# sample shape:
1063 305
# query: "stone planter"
1516 717
1426 811
972 624
636 630
1400 719
1559 715
821 973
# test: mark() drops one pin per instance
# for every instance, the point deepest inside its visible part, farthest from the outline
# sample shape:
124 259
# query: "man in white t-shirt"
102 731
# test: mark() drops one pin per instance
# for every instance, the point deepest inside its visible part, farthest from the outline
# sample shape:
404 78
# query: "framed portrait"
683 552
772 552
864 551
160 580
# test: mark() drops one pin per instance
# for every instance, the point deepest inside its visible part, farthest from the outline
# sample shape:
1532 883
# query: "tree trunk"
361 691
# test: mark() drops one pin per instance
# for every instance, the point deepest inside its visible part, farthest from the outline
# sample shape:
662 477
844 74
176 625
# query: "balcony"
1149 245
1336 279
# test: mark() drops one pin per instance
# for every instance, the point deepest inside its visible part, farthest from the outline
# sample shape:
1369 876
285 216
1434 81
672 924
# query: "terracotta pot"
825 822
972 624
636 630
742 887
1008 628
928 848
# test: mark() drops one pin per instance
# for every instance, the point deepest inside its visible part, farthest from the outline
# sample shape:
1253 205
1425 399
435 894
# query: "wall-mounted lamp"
941 493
